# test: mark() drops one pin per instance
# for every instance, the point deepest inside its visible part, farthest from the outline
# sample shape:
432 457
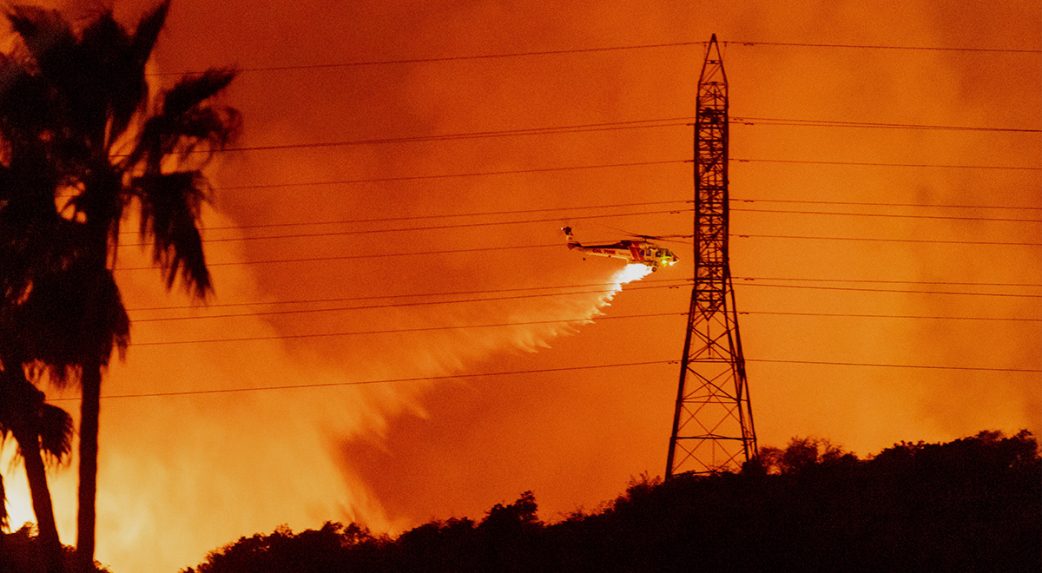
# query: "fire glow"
279 432
183 475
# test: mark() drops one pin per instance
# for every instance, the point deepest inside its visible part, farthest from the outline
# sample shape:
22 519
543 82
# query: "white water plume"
259 459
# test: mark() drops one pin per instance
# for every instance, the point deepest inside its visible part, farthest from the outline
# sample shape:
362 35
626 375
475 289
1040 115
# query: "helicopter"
640 251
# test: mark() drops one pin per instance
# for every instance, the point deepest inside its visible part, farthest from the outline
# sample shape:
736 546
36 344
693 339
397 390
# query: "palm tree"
112 147
42 432
5 520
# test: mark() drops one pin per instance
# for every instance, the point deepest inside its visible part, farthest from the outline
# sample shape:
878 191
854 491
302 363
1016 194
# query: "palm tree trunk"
4 517
36 474
90 409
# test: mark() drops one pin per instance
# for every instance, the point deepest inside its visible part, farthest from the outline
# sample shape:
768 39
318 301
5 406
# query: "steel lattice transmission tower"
713 421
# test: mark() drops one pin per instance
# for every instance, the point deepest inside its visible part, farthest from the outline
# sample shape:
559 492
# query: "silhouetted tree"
325 549
41 431
76 102
800 454
970 505
5 519
509 535
21 552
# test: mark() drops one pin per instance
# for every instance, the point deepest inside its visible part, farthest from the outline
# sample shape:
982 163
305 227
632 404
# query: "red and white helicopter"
640 251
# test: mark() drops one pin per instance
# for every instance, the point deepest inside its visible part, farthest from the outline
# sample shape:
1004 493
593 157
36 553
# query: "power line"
602 206
355 257
888 215
610 126
376 381
554 219
425 303
753 121
660 284
886 240
654 122
453 58
552 245
541 220
586 320
583 320
911 366
679 282
529 323
445 215
894 316
902 291
551 130
567 168
428 228
392 305
590 128
886 47
318 385
886 281
453 175
448 137
597 49
882 164
556 294
883 204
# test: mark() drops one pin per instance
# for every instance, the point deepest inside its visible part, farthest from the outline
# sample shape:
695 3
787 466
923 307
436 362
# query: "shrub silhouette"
974 504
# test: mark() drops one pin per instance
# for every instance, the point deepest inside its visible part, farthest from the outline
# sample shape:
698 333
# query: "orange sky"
182 475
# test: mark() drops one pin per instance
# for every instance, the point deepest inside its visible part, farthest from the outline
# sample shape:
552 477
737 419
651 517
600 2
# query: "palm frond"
117 80
170 210
34 239
70 107
193 91
56 430
25 413
102 200
26 113
147 31
47 36
134 93
106 82
185 118
69 315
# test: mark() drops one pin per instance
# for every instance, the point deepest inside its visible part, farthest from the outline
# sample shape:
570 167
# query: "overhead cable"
580 320
605 286
893 316
427 228
885 164
787 122
743 199
901 291
889 240
909 366
393 305
443 215
324 234
906 48
600 49
374 381
393 254
496 374
408 295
